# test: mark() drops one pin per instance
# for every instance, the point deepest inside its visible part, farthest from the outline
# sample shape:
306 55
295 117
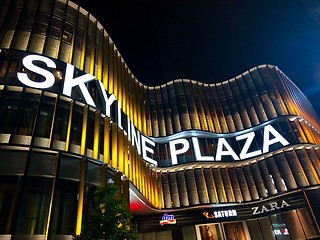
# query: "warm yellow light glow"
110 67
214 185
81 196
96 135
84 130
230 185
126 156
120 152
307 132
114 145
301 133
106 143
52 123
69 126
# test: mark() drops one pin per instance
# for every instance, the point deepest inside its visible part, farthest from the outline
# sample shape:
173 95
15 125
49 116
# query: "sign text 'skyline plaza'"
233 160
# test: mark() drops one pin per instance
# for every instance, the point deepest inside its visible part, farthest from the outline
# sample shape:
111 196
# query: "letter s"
28 63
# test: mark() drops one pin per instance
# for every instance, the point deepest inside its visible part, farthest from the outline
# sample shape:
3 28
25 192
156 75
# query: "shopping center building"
234 160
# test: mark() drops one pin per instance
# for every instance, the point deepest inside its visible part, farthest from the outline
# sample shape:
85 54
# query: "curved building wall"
78 139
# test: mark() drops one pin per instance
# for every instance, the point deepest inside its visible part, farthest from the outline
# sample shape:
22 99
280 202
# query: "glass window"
90 129
189 233
254 229
236 230
65 202
209 231
35 204
27 113
61 120
12 166
76 125
308 224
266 228
44 119
36 196
293 224
279 227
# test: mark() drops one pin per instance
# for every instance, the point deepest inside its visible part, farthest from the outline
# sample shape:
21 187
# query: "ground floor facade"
290 216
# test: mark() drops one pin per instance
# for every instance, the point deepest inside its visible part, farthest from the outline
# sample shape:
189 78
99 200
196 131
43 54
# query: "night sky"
212 41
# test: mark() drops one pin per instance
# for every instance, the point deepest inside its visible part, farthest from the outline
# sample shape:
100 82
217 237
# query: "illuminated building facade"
232 160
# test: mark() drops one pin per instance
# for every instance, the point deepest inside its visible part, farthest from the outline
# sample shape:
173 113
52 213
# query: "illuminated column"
155 195
69 126
135 169
106 142
84 130
126 156
149 185
110 66
115 73
238 184
96 135
205 185
120 80
92 28
230 185
84 38
120 151
114 145
312 168
131 164
58 158
139 106
83 168
53 121
105 78
100 51
72 7
214 185
145 179
143 110
160 191
138 172
307 132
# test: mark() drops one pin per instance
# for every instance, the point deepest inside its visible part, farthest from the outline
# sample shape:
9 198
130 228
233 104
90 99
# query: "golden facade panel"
180 147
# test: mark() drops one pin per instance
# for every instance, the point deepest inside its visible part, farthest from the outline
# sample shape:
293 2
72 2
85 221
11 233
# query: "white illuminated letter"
28 63
277 138
71 82
135 138
146 149
107 101
119 116
174 152
244 152
284 204
222 142
129 128
196 148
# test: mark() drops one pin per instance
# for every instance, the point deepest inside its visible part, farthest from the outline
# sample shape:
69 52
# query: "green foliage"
109 219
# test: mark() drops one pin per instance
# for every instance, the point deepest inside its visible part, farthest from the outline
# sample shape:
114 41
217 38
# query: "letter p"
174 151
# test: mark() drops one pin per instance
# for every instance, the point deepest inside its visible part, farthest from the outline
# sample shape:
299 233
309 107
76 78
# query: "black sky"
211 41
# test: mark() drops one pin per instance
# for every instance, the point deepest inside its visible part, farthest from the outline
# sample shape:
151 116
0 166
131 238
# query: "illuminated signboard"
282 231
221 214
269 207
167 219
75 84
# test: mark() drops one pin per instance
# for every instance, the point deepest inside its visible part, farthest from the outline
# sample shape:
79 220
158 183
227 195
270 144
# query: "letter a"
277 138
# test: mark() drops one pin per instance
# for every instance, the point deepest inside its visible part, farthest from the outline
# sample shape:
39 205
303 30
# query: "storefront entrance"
289 225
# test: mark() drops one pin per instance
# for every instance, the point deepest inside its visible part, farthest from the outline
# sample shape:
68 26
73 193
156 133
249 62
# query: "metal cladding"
48 120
